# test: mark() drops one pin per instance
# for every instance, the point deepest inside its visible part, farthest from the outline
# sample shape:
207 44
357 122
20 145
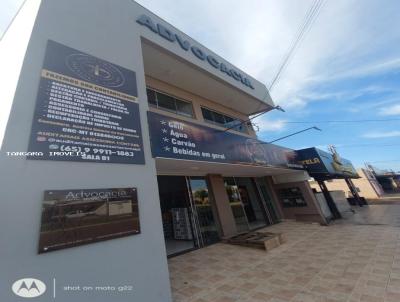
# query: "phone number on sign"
97 151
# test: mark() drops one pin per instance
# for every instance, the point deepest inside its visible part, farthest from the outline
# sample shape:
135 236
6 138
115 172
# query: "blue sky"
347 67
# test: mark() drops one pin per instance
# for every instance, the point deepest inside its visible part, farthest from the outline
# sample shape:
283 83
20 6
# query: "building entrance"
187 215
207 231
251 203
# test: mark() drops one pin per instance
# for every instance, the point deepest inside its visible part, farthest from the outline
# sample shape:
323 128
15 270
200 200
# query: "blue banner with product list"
178 139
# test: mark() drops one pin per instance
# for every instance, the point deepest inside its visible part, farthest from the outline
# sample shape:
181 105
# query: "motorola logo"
28 288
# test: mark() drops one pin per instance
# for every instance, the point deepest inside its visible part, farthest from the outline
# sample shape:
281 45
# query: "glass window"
207 114
240 127
166 102
151 97
219 118
224 120
229 121
184 108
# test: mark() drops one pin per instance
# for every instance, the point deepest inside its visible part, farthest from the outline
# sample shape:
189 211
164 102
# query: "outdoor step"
261 240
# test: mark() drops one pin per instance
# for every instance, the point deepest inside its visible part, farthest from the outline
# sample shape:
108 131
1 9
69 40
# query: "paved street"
391 198
356 259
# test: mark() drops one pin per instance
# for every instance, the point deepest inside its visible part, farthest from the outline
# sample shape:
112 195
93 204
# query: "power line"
312 13
343 121
309 20
384 161
367 145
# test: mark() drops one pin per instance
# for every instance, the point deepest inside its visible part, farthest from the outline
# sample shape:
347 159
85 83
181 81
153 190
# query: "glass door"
207 227
267 200
177 214
235 202
252 203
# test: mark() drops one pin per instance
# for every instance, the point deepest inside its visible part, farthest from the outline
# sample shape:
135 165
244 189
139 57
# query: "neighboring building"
164 118
367 185
389 182
325 167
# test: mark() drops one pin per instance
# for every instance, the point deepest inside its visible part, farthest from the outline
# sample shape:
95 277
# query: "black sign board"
86 110
322 165
178 139
76 217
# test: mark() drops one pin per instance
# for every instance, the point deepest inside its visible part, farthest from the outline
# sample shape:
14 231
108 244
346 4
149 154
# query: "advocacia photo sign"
75 217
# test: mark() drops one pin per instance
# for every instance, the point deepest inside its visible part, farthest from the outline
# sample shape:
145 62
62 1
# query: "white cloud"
349 39
381 134
374 68
376 106
391 110
266 125
346 94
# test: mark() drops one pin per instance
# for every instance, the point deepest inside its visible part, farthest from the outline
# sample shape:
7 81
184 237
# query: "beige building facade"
198 170
367 185
212 201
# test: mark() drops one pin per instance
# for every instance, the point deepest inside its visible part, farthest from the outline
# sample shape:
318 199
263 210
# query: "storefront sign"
86 110
198 52
173 138
324 165
76 217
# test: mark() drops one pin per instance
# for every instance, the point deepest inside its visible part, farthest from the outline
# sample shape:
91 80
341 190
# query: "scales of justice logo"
94 70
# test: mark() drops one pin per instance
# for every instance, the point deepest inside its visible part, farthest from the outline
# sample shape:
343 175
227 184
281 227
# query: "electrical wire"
312 13
308 22
343 121
384 161
367 146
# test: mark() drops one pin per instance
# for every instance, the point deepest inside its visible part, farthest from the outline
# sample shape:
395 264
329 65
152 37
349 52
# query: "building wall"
108 32
333 185
367 185
311 212
197 102
219 198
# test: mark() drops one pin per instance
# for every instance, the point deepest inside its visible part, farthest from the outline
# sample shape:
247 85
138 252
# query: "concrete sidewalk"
346 261
389 198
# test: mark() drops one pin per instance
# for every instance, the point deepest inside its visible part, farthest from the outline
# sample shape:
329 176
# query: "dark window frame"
245 127
176 99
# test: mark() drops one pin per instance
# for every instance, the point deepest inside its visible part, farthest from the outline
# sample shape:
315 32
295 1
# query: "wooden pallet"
261 240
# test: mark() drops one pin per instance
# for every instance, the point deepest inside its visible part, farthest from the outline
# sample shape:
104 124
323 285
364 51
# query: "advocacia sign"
173 37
